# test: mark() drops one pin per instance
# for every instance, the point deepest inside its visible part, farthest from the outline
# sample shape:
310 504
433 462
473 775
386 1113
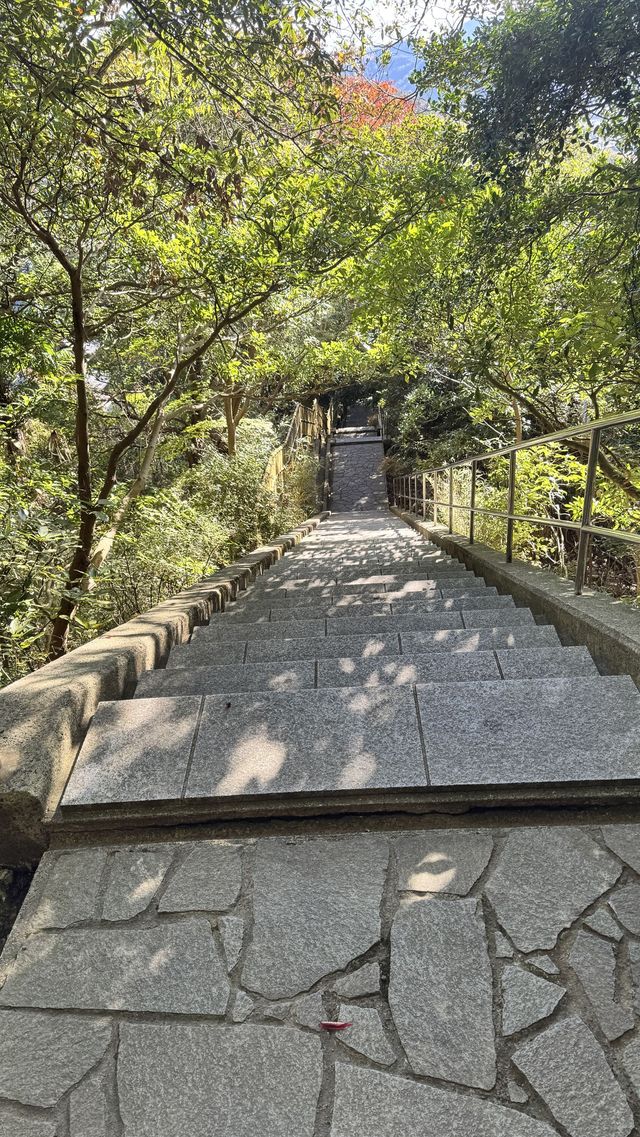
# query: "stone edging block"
45 715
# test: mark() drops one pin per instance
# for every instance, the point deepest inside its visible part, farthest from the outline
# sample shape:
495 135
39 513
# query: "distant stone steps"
265 612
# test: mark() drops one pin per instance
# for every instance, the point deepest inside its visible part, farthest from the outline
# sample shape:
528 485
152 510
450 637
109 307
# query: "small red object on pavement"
335 1026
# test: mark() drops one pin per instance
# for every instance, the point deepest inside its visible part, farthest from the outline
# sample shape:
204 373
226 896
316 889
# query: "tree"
538 76
165 218
364 102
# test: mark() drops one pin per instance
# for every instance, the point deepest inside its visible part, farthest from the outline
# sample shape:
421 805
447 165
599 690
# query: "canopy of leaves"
203 221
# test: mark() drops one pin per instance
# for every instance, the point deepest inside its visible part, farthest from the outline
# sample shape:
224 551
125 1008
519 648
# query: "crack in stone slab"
43 1056
568 1068
371 1102
316 907
544 880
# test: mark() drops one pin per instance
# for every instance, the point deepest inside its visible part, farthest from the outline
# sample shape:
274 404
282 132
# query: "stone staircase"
256 916
365 662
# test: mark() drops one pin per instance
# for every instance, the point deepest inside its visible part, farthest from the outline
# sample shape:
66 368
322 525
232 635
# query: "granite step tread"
531 730
444 667
371 568
444 590
400 586
248 745
234 746
391 671
356 577
260 612
298 675
229 631
342 626
291 675
203 652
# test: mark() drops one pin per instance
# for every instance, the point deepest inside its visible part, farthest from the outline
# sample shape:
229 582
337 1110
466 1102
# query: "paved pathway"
490 972
366 661
357 481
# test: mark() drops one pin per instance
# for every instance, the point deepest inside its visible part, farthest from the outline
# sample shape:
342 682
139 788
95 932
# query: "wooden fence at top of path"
314 424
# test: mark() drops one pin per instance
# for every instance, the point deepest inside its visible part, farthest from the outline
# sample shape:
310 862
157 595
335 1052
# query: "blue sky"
402 63
400 67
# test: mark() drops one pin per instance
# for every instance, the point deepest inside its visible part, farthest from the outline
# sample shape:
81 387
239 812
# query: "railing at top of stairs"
406 495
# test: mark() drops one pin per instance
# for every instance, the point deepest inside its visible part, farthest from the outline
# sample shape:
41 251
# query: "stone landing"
490 977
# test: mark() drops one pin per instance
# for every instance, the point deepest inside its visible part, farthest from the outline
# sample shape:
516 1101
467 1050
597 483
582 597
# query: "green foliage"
540 76
191 237
175 534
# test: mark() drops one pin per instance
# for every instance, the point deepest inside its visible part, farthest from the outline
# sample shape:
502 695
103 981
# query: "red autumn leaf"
365 102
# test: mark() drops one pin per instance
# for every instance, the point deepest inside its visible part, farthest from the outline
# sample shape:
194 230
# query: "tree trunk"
517 419
80 561
105 544
235 408
231 425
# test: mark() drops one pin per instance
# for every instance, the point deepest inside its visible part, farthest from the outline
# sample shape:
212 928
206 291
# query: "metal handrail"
405 491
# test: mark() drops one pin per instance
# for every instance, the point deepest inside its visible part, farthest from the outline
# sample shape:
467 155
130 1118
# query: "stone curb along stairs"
44 717
177 983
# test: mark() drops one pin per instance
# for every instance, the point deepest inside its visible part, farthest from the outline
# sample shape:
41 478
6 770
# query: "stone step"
234 746
371 575
506 734
531 730
478 639
310 582
454 668
298 675
546 663
346 600
412 622
322 609
260 612
363 544
356 553
448 588
340 548
204 652
397 584
401 565
291 675
392 671
425 602
425 570
230 631
207 652
443 582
